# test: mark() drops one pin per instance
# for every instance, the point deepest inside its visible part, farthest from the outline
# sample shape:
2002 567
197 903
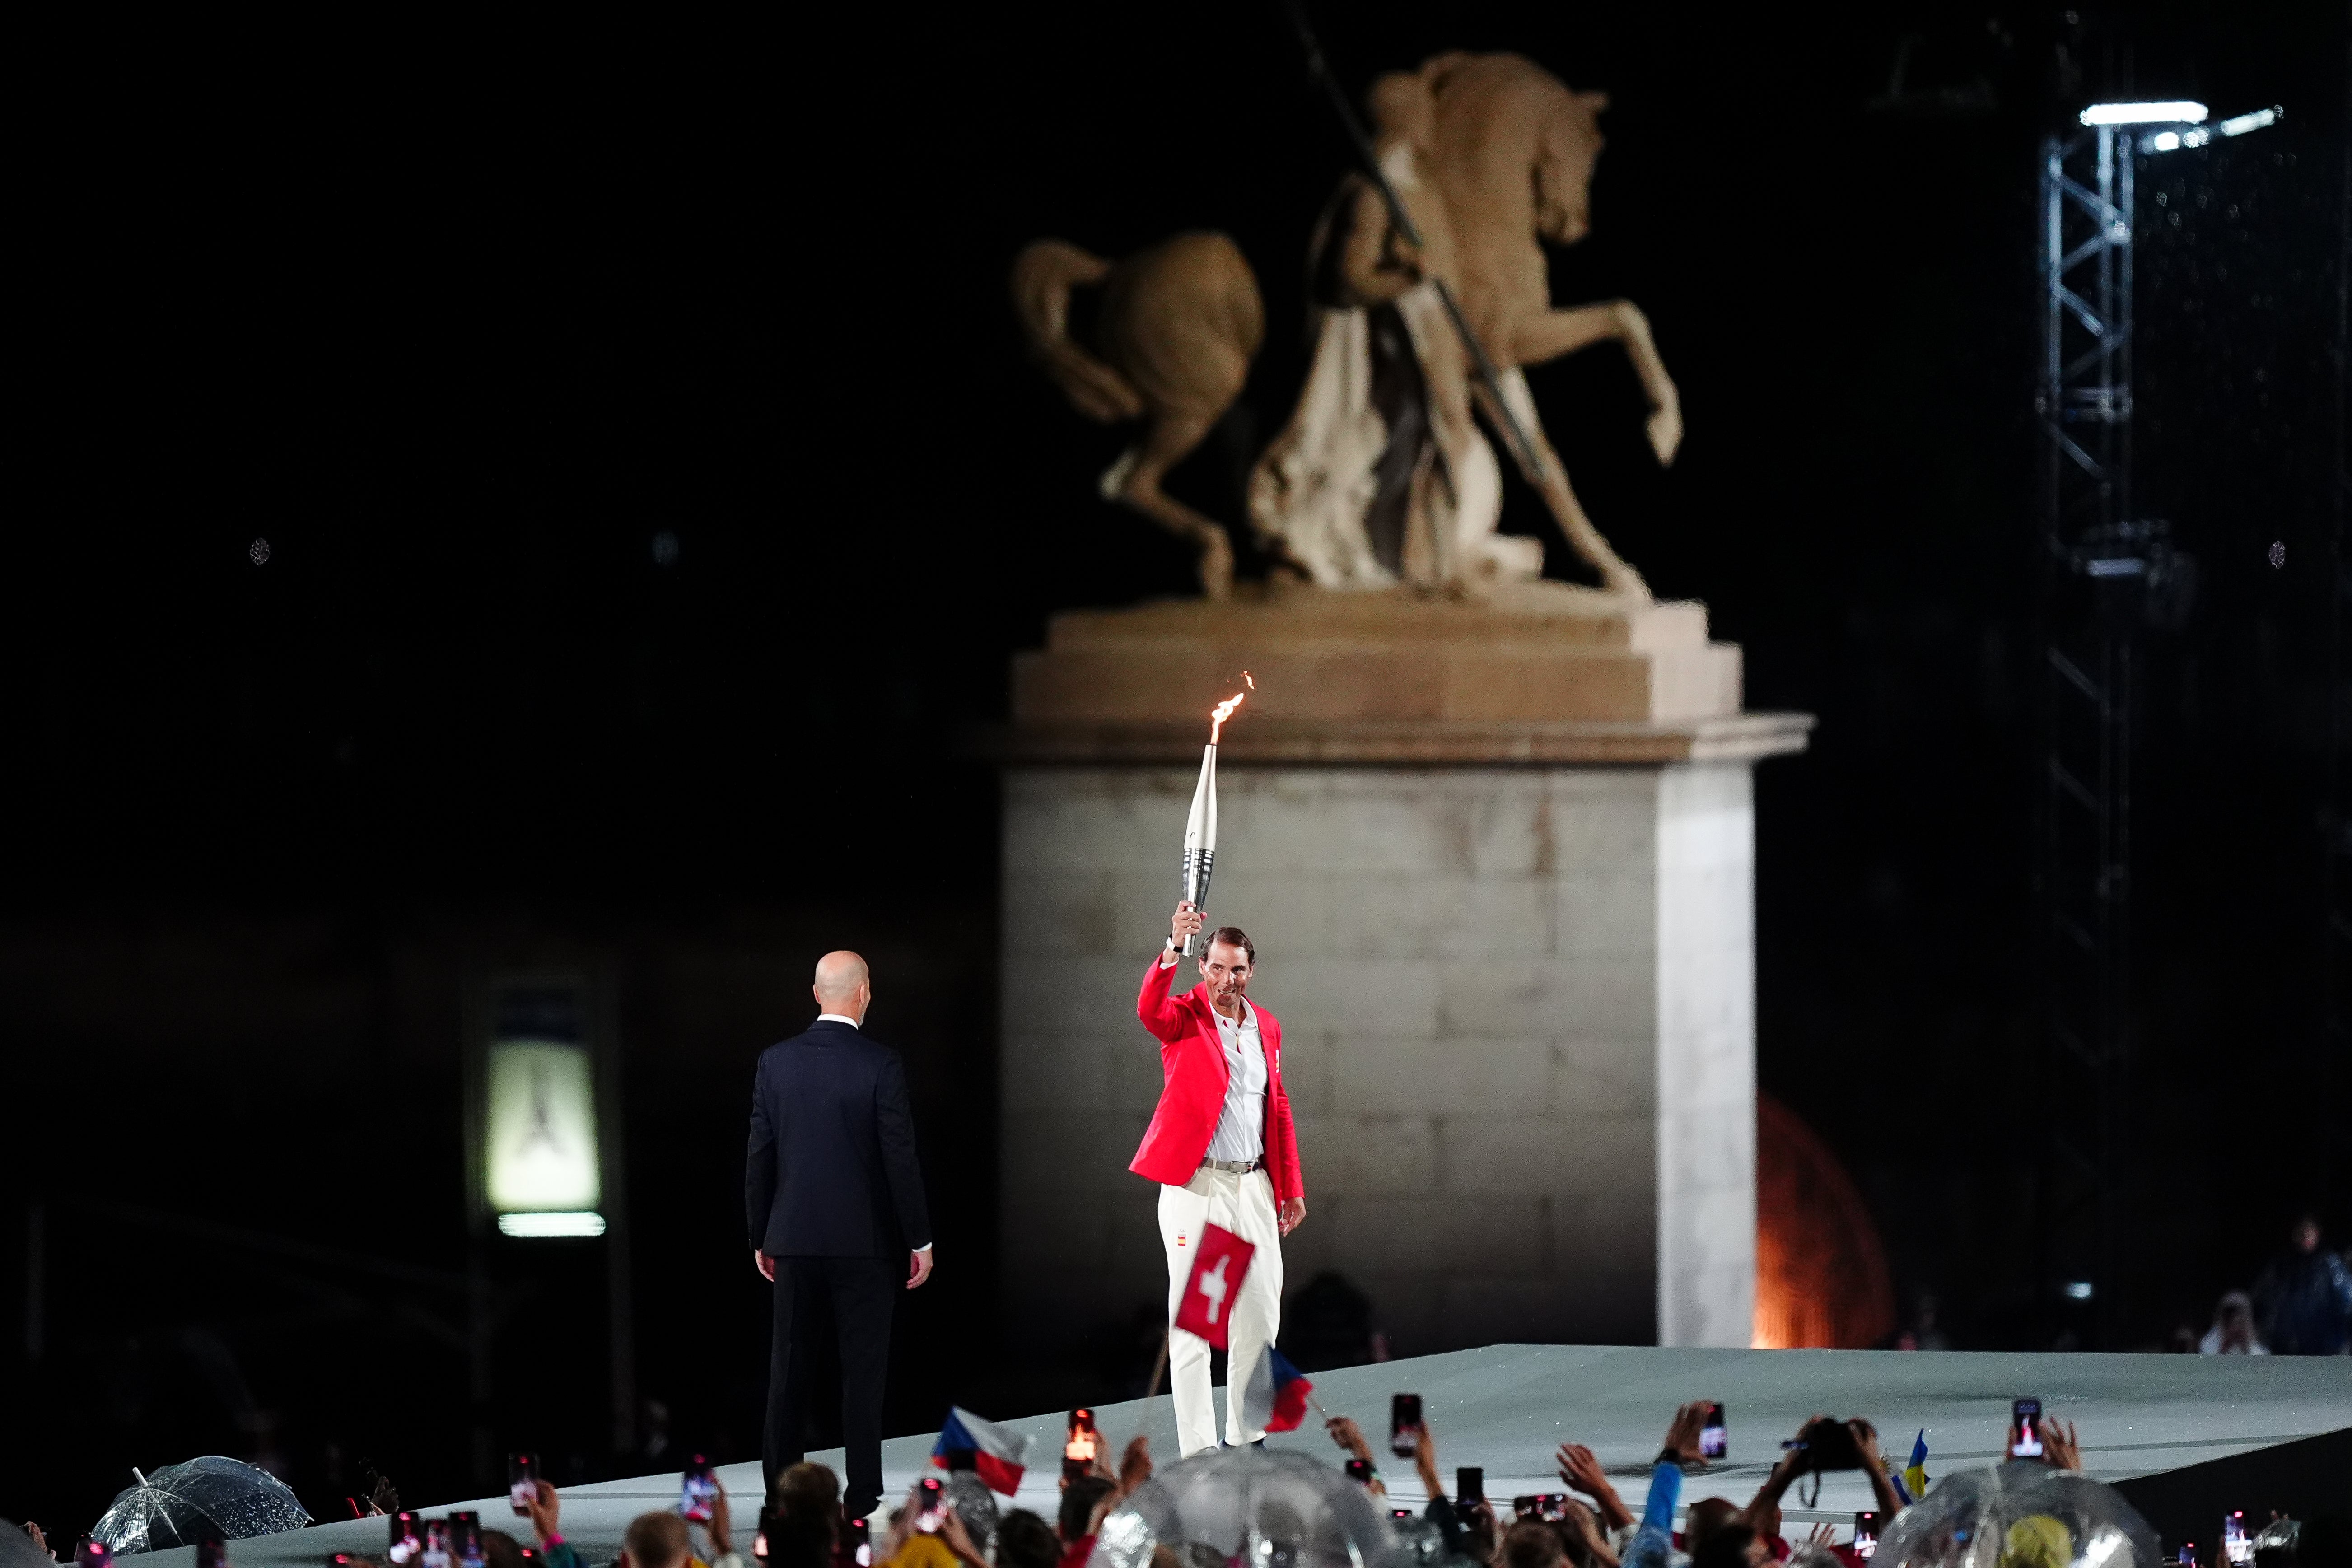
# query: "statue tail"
1043 276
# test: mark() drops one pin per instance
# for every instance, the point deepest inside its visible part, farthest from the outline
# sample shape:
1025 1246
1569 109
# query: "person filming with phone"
1222 1147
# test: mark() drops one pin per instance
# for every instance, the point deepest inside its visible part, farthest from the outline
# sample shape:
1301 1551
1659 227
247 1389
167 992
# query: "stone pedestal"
1497 861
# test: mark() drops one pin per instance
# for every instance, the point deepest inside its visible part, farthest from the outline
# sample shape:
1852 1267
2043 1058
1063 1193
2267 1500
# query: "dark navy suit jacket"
832 1171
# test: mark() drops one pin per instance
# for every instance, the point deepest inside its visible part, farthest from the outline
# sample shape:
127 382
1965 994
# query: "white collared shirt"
1241 1123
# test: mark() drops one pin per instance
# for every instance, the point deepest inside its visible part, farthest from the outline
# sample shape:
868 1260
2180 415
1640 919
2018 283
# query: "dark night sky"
460 324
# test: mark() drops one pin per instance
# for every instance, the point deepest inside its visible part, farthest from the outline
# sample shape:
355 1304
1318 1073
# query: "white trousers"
1244 1205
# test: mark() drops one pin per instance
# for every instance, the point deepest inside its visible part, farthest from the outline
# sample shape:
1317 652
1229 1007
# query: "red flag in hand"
1219 1265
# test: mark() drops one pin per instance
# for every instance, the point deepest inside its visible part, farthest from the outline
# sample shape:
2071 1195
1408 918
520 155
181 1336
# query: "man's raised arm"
1153 1005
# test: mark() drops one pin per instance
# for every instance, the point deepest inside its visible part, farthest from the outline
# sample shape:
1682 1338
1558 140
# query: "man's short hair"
1025 1540
1232 936
1079 1501
656 1540
1532 1543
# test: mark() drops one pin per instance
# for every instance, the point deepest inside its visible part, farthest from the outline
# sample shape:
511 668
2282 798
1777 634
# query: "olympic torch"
1200 823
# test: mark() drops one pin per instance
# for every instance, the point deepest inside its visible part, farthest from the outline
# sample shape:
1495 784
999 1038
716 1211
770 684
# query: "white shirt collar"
837 1018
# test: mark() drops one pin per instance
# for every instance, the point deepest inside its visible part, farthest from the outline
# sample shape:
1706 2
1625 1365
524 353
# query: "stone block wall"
1517 1009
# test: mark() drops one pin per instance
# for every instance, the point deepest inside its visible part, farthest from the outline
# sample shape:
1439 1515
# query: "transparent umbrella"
1247 1508
2021 1515
212 1497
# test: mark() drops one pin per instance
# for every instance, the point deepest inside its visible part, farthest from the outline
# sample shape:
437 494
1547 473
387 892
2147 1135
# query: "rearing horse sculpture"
1492 155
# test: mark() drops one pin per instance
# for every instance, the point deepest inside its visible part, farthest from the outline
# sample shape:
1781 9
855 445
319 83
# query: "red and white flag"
1219 1264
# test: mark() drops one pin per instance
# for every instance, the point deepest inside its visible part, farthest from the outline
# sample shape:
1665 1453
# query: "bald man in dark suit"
833 1195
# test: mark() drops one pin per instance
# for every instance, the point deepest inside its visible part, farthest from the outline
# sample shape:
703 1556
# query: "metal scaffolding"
2093 563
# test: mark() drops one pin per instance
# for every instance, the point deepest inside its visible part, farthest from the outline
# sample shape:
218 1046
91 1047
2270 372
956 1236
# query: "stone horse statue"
1370 485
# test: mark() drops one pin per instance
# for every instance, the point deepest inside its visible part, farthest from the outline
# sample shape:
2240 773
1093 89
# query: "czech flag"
999 1454
1275 1399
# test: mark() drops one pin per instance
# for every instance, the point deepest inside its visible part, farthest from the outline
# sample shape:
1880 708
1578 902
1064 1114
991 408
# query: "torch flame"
1222 712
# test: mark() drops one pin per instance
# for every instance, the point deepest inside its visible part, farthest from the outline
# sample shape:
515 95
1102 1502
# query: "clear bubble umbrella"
1247 1508
2020 1515
210 1498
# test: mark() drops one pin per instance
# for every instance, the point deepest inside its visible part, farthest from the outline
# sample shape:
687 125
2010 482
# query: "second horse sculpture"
1382 475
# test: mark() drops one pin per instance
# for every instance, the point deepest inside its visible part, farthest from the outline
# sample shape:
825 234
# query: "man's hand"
544 1508
1681 1434
1186 921
1294 1213
40 1542
1349 1437
919 1267
1582 1472
764 1264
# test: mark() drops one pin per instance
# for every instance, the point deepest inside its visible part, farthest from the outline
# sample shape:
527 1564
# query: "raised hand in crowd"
1580 1472
40 1543
1424 1462
1134 1464
1351 1439
1682 1435
1482 1533
545 1508
721 1524
958 1540
1888 1501
2060 1450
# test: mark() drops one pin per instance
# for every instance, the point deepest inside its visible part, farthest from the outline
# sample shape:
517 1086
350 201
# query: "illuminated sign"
540 1136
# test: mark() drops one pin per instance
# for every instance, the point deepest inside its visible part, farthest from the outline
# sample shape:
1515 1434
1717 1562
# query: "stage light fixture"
2078 1291
2171 111
585 1223
2172 140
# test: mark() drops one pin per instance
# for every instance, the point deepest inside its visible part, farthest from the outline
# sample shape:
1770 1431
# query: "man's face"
2306 1237
1227 971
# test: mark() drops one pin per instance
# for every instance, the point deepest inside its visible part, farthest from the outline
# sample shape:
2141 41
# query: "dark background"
462 325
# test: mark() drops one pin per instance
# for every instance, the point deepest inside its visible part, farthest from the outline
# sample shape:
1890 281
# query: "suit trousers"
1244 1205
857 1293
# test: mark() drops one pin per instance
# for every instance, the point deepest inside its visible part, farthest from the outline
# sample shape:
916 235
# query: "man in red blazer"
1222 1150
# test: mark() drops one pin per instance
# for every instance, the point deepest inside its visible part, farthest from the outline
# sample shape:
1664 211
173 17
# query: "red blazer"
1194 1060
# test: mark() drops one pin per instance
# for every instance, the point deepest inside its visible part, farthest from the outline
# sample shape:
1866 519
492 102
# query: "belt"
1233 1167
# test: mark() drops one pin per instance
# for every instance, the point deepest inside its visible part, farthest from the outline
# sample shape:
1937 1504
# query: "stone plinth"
1537 652
1513 955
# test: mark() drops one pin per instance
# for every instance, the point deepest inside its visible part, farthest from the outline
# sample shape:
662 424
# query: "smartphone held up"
1404 1424
1080 1445
522 1481
2025 1429
698 1488
1713 1434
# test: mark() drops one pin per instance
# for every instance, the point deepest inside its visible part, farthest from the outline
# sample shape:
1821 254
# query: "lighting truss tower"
2083 864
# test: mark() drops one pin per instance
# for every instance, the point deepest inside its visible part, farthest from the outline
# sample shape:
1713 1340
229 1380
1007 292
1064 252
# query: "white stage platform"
1507 1407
